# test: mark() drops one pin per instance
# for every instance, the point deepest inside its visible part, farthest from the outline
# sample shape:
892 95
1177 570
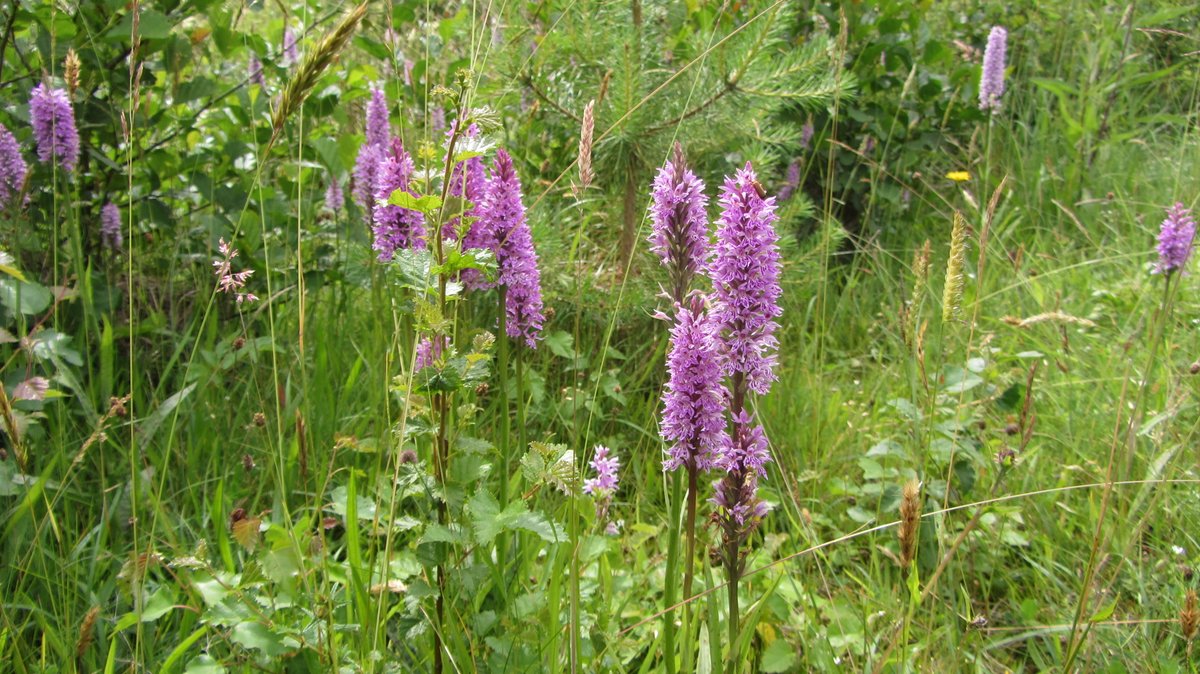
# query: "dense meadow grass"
254 420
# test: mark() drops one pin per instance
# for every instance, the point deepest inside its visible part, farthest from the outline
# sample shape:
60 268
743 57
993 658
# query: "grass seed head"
585 146
71 66
87 631
314 64
912 314
910 516
953 293
1189 616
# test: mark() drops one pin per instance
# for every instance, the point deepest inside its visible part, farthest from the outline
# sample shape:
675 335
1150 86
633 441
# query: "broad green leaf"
488 520
428 204
779 657
561 343
436 533
54 345
204 664
24 297
159 604
486 517
256 636
539 524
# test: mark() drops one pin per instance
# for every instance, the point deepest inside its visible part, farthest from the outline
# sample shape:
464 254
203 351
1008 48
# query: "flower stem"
505 422
670 591
689 562
1156 334
731 571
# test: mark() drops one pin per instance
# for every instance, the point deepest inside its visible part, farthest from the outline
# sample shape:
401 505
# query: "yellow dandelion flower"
958 176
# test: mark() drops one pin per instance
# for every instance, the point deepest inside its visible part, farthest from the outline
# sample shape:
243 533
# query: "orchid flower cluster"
727 334
56 137
991 79
493 215
602 487
1176 238
723 345
12 168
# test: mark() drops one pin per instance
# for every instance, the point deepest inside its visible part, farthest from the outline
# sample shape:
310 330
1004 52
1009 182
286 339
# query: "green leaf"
1104 612
432 380
254 635
364 506
428 204
413 267
54 345
488 520
212 590
159 604
7 268
551 464
152 25
964 475
561 343
204 664
486 517
539 524
779 657
472 258
436 533
150 426
24 297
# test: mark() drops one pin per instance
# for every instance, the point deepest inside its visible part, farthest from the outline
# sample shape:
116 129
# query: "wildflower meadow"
757 336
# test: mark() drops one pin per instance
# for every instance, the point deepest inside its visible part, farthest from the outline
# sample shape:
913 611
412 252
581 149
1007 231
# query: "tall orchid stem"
505 423
690 531
670 591
732 572
732 538
689 564
1156 338
520 373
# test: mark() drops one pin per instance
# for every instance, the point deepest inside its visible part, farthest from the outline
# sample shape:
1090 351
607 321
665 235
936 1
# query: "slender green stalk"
520 374
1156 338
1073 644
731 570
732 535
505 421
689 564
505 426
671 589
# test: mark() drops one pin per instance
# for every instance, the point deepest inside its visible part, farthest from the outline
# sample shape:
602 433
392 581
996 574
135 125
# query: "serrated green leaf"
486 517
428 204
437 533
256 636
535 522
159 604
778 657
488 520
561 343
204 664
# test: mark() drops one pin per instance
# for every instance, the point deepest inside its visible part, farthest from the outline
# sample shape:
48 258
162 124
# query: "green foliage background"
244 507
